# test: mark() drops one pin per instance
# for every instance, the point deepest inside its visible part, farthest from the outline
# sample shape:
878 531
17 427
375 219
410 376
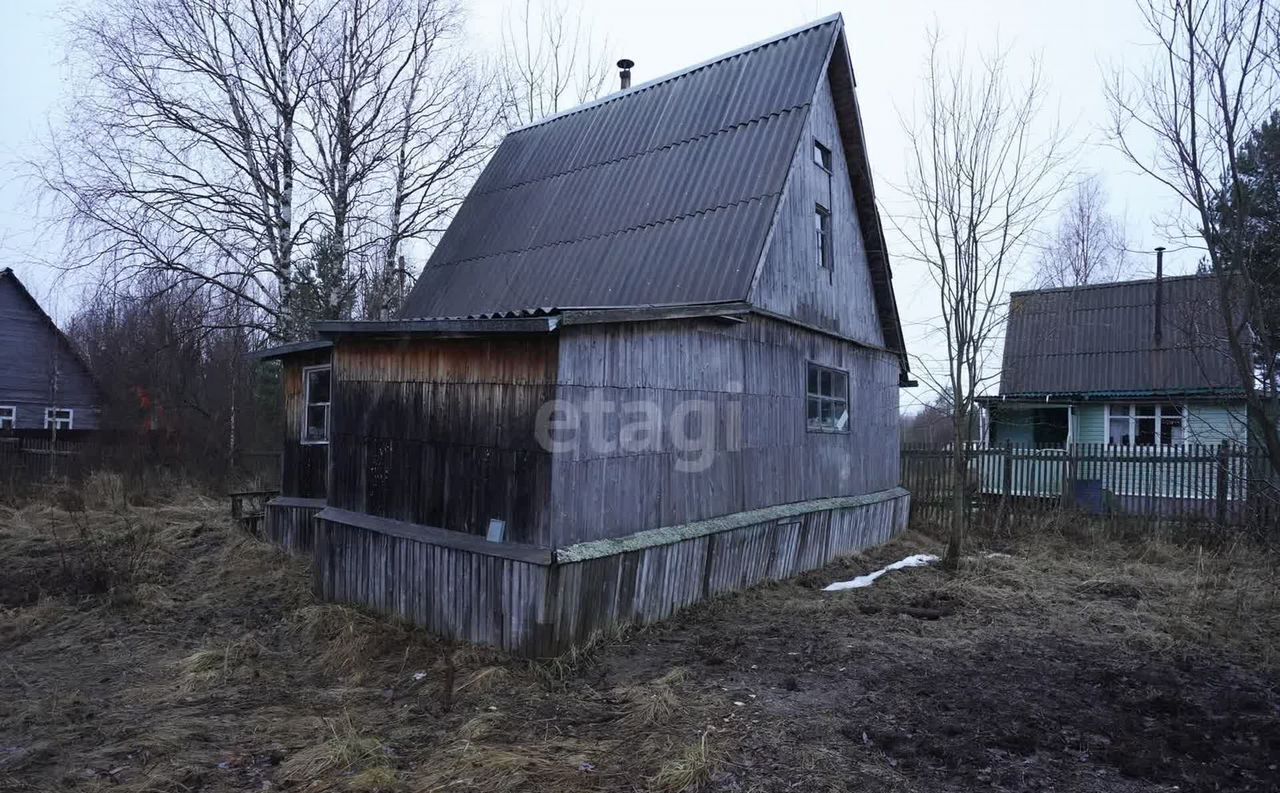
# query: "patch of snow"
918 560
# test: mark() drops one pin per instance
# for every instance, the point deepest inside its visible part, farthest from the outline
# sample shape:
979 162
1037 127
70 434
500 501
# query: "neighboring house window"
8 417
822 156
1145 425
57 418
315 416
827 399
822 225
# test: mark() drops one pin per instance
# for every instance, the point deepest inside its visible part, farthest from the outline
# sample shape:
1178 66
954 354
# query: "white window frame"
824 398
307 403
50 416
1132 416
10 421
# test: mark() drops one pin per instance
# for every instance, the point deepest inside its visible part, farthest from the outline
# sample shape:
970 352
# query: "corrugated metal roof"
1101 338
662 194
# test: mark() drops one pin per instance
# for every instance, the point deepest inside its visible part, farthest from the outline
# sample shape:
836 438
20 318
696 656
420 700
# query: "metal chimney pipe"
1159 329
624 76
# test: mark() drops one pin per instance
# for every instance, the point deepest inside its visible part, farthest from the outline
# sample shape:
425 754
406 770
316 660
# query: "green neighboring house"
1133 370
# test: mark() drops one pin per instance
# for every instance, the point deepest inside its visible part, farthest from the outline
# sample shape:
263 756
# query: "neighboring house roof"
1100 339
24 347
663 194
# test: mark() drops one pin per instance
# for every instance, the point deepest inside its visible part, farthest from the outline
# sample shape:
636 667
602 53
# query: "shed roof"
660 195
1100 339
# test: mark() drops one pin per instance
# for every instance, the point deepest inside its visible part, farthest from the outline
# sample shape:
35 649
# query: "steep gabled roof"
1100 339
659 195
8 275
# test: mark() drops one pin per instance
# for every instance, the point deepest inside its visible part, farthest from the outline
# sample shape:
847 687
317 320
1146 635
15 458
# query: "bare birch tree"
274 150
1089 245
1184 121
180 154
982 173
550 62
398 121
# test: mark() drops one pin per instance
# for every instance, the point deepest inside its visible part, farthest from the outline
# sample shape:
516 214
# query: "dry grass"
213 668
688 770
344 749
654 702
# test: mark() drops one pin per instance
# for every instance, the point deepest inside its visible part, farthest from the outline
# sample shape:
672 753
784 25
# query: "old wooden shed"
655 357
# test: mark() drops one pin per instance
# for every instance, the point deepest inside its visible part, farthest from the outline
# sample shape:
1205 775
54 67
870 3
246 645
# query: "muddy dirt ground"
154 648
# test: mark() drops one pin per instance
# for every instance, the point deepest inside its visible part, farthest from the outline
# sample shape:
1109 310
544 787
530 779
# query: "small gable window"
827 400
8 417
822 227
822 156
315 416
1145 425
57 418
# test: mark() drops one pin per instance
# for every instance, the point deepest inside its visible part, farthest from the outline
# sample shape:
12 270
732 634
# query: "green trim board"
666 535
595 549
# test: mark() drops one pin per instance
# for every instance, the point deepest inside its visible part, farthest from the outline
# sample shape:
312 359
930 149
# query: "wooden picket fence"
1225 485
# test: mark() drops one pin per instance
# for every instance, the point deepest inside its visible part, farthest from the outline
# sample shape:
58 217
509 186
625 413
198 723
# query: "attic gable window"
315 413
8 417
827 399
1145 425
57 418
822 226
822 156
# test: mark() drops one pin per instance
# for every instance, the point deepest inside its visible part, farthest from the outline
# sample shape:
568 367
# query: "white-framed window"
826 399
822 228
8 417
58 418
315 410
1145 424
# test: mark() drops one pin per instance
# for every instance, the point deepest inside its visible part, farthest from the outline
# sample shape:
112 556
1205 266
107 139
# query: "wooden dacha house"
655 357
46 389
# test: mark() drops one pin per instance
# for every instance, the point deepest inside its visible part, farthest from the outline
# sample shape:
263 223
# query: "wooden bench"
248 508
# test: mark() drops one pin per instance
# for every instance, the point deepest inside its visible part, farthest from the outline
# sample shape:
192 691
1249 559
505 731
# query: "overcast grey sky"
1076 41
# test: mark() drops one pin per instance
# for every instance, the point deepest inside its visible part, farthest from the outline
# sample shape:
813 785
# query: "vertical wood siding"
304 467
453 592
791 282
288 523
755 370
540 609
441 432
38 369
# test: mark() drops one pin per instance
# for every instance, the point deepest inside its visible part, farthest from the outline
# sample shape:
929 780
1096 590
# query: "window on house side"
822 156
827 399
57 418
1145 425
315 415
822 227
8 417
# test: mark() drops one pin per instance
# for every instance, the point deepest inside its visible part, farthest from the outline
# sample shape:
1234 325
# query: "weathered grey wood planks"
541 605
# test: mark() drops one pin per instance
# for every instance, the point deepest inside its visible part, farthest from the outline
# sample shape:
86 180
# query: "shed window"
8 417
1145 425
57 418
822 156
822 226
315 416
827 400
